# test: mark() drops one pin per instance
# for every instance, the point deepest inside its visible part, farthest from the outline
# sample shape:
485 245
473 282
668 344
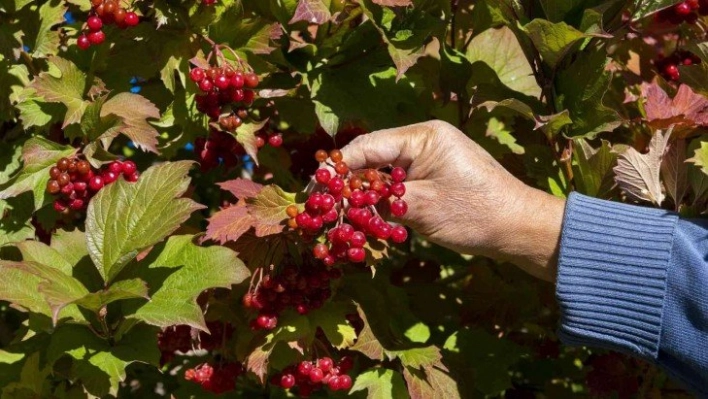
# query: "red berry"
206 84
358 239
248 96
304 368
356 255
221 81
94 23
275 140
260 141
683 9
327 203
196 75
316 375
80 186
287 381
60 205
97 37
116 167
398 189
335 185
333 383
345 382
672 72
399 208
109 177
133 177
237 80
132 19
398 174
76 204
96 183
83 42
320 251
399 234
251 80
129 168
325 364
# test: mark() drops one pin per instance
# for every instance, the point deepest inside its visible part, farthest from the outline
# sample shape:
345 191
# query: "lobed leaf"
125 218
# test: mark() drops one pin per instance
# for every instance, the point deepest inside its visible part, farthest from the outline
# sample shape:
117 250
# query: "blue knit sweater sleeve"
635 279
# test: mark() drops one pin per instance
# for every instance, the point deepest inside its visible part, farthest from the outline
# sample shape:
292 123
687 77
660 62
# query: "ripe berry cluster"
75 182
313 376
217 379
223 147
105 13
668 67
225 93
183 338
303 289
354 196
686 11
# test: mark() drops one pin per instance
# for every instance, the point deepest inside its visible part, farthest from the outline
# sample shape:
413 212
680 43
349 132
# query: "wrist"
531 234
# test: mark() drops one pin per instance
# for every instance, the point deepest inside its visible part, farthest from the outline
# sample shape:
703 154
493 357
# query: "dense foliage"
166 231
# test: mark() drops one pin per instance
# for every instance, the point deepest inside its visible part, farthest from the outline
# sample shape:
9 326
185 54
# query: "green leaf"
647 7
177 271
41 289
46 42
381 384
700 156
420 357
331 318
119 290
38 155
501 51
593 167
582 96
15 224
246 136
697 175
99 365
553 40
64 83
490 358
124 218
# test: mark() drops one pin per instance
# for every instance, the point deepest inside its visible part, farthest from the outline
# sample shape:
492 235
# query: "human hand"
461 198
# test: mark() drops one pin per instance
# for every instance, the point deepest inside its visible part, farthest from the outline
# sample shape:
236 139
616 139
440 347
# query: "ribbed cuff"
612 274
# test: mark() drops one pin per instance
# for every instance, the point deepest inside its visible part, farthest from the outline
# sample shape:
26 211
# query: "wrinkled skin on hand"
460 197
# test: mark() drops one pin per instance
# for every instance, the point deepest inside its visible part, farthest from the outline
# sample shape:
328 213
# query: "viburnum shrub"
178 220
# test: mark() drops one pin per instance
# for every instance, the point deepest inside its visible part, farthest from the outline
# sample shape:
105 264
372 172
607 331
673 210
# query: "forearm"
532 237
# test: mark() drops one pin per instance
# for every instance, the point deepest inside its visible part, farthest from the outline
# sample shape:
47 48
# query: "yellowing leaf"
268 210
134 110
229 224
638 174
312 12
64 84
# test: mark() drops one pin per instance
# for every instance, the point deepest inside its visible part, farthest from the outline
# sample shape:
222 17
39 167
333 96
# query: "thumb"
396 147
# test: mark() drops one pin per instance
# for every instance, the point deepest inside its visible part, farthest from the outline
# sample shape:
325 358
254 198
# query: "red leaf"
311 11
229 224
241 188
393 3
686 110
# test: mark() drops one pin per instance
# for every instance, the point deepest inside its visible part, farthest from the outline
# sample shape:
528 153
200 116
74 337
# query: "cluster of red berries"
208 2
75 182
309 377
221 146
668 66
686 11
183 338
354 195
303 289
225 93
105 13
216 379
